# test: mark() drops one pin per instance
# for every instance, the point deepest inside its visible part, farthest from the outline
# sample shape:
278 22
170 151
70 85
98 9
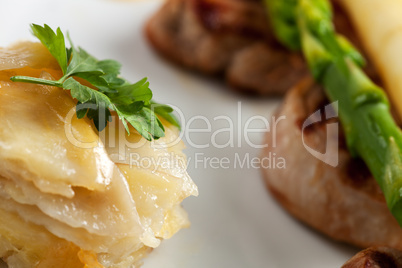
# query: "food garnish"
364 109
70 195
104 91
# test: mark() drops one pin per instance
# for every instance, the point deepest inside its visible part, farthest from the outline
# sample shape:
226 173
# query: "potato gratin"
70 198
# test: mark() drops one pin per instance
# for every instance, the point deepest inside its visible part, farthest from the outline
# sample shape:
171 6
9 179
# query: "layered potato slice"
69 195
159 169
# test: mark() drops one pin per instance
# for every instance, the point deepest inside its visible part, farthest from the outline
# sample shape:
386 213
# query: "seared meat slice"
261 69
377 257
225 37
343 202
231 38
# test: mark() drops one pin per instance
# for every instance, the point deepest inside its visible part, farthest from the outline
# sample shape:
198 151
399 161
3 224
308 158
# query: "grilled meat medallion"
231 38
343 202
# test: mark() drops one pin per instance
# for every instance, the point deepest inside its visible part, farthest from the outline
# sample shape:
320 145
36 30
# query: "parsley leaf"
166 112
54 42
132 102
82 62
127 94
144 121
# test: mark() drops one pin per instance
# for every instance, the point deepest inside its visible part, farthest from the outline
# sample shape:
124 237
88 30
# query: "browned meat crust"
232 38
378 257
225 37
343 202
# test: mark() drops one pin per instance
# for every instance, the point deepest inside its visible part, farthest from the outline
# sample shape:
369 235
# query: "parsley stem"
104 89
34 80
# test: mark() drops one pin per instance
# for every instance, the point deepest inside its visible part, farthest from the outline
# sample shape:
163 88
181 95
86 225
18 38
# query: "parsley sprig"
132 102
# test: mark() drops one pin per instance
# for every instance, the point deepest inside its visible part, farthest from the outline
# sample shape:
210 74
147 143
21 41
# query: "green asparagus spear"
364 110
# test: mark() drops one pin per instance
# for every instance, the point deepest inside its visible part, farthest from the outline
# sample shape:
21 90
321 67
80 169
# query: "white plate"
235 223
